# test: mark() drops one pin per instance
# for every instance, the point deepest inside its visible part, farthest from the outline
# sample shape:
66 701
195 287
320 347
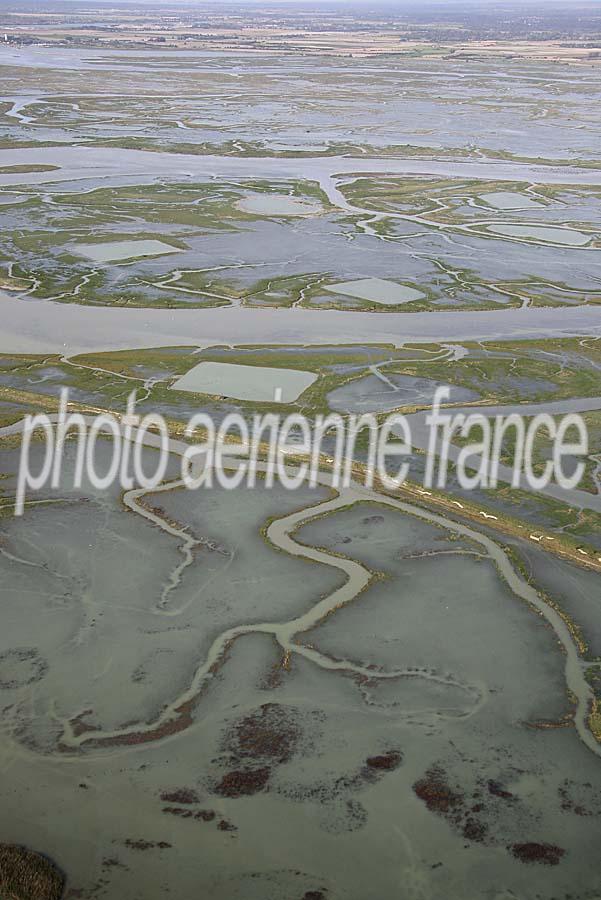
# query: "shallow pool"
277 205
115 251
376 290
543 233
262 383
509 200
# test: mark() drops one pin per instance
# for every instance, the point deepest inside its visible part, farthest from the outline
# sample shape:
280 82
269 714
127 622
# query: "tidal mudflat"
314 232
381 392
287 708
298 695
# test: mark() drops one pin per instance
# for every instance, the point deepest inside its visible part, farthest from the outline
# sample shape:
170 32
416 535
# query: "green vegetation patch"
526 371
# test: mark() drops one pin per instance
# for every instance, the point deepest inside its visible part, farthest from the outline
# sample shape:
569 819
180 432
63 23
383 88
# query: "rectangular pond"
509 200
376 290
554 235
117 251
262 383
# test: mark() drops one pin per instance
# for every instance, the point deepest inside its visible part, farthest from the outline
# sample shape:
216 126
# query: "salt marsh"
266 694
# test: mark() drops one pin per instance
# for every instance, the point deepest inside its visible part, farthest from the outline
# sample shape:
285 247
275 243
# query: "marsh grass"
25 875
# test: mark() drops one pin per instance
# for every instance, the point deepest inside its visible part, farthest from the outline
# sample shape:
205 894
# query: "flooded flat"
376 290
261 383
547 233
310 694
77 162
287 694
42 326
277 205
118 251
509 200
377 393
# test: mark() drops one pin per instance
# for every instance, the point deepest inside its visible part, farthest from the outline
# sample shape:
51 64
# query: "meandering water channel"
175 715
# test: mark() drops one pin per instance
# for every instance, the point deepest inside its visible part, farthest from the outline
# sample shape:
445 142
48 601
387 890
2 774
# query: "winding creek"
357 691
101 163
43 326
38 326
175 716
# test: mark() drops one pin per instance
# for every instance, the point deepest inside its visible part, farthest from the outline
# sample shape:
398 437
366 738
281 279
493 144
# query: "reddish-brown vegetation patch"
205 815
474 830
532 852
271 732
178 811
452 804
496 790
268 735
141 844
581 799
243 782
181 796
132 739
477 815
385 762
435 792
79 726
